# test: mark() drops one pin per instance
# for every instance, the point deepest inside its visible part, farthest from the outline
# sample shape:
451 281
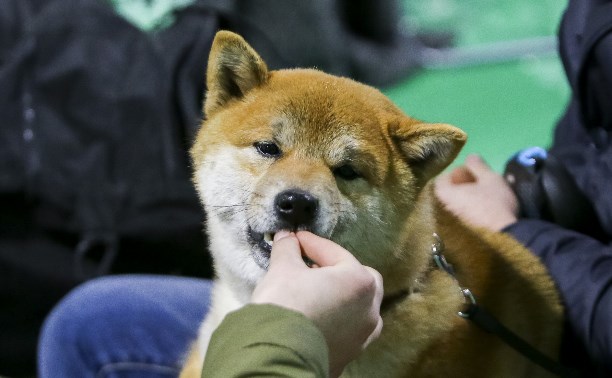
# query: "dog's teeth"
269 238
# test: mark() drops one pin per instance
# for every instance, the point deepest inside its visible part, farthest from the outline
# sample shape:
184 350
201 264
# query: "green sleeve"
266 340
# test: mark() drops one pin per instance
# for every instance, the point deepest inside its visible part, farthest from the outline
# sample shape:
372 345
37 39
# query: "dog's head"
303 150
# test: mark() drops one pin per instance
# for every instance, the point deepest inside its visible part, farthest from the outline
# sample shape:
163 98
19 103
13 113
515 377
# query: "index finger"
322 251
378 279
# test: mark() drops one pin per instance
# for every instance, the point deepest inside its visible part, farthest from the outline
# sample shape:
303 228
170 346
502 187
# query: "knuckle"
367 283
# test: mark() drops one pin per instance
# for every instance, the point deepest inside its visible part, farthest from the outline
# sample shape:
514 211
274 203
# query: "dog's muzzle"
293 210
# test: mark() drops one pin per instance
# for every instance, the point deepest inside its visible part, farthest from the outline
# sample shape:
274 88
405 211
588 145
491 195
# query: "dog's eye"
346 172
267 149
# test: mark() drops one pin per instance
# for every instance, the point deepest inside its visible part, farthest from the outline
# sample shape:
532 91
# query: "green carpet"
504 103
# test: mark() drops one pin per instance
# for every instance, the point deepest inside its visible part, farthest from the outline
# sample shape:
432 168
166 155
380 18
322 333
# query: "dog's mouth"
261 248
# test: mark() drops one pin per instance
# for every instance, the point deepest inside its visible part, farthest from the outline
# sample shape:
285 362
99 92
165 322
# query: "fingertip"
308 238
376 274
378 280
322 251
282 234
478 165
305 234
286 247
462 175
475 160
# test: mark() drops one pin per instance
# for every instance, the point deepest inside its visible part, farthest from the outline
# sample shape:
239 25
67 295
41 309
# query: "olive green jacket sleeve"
267 341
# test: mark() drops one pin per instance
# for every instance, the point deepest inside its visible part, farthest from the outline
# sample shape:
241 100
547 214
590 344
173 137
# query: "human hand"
478 195
341 296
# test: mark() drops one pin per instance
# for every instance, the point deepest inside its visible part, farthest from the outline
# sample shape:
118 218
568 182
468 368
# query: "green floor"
504 85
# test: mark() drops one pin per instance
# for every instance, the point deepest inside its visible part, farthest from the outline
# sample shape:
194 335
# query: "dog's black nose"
296 208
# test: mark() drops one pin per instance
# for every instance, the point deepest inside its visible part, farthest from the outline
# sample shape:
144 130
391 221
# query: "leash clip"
437 249
470 300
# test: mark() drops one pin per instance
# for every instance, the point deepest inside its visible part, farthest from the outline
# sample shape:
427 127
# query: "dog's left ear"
428 147
234 68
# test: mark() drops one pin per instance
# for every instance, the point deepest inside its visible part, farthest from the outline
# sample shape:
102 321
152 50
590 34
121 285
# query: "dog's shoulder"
493 260
510 283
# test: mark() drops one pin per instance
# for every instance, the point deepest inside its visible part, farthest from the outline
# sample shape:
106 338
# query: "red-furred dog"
358 171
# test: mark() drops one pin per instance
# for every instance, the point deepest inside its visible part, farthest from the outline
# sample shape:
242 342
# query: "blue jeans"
123 326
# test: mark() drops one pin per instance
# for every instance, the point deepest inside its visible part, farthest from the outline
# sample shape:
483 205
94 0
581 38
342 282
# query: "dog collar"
437 253
437 247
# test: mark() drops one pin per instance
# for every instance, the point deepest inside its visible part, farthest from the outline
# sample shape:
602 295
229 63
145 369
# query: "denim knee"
127 322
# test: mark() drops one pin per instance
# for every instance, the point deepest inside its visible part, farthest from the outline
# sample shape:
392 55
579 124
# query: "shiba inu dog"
303 150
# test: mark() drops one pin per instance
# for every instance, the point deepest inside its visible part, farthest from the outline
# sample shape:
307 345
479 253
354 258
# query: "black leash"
487 322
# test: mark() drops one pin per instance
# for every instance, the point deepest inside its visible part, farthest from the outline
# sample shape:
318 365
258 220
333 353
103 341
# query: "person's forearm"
266 340
582 270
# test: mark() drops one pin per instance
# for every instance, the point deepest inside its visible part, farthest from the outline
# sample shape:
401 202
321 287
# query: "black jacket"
581 265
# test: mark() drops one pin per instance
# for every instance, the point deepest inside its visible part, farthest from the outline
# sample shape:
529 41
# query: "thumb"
461 175
286 250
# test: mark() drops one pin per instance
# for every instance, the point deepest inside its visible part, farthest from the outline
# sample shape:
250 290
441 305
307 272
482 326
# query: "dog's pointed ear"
234 68
428 147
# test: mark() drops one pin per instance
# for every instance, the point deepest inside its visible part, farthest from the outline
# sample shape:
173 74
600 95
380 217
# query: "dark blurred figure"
558 202
361 39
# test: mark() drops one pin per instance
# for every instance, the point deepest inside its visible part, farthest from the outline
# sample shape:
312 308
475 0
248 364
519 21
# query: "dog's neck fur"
221 243
413 249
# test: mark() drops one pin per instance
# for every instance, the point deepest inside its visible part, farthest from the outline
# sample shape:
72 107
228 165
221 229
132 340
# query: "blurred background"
101 99
502 82
499 79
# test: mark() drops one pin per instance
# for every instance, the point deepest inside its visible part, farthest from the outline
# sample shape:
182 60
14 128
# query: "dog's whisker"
250 192
224 206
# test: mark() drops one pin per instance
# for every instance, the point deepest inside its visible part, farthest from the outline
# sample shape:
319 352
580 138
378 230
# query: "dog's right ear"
427 147
234 68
